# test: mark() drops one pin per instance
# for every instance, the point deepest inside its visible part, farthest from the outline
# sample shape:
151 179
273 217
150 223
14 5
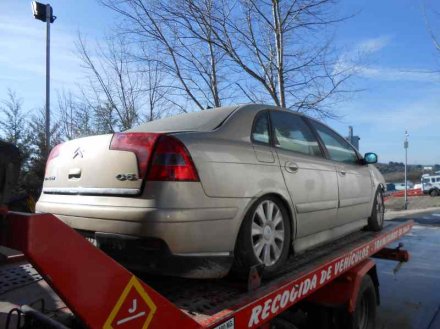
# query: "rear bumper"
153 256
185 231
137 214
178 213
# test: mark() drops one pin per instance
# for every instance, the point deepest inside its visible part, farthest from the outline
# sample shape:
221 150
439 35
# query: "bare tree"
76 118
435 36
157 93
193 61
276 51
283 46
120 92
113 81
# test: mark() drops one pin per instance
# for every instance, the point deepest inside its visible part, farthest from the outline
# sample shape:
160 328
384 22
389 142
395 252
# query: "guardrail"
410 192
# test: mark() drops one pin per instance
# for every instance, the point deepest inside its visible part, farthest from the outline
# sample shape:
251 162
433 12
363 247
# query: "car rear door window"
337 147
293 134
260 131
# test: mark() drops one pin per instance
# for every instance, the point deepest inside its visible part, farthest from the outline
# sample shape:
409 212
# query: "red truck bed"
103 294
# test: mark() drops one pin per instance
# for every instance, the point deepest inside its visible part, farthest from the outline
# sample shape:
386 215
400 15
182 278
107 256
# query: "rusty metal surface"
32 294
13 277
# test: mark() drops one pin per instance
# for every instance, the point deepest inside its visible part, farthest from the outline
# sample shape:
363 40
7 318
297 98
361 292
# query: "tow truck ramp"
103 294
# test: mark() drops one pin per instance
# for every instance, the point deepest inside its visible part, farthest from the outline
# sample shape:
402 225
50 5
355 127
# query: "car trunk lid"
89 166
117 164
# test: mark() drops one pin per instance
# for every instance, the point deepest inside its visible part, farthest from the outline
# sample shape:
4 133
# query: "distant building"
353 140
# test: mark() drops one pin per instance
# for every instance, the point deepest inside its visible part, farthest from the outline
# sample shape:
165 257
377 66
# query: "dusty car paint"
203 218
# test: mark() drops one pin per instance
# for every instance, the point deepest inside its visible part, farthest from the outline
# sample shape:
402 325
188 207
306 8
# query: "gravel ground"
415 202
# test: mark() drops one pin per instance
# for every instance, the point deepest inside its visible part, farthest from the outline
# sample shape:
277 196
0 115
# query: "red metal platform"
103 294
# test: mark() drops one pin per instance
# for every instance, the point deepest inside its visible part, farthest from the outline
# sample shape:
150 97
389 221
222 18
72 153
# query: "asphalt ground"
410 297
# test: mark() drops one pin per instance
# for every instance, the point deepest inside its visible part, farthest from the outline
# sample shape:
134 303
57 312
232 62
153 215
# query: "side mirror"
370 157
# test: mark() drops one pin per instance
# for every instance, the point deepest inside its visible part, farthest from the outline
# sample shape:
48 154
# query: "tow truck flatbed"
103 294
205 300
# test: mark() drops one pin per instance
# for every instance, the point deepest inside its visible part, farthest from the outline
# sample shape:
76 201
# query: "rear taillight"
55 152
140 144
171 162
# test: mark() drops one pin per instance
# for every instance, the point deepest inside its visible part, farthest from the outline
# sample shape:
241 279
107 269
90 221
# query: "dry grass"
415 202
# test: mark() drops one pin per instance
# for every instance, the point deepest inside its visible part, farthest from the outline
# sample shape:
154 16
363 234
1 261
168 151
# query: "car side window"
260 131
293 134
337 147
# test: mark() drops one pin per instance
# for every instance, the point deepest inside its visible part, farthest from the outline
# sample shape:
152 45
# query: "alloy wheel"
268 232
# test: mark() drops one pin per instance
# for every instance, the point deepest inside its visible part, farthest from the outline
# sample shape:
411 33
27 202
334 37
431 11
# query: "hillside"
395 171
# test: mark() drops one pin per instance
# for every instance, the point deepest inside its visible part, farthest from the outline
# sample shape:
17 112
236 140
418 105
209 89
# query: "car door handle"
291 167
342 172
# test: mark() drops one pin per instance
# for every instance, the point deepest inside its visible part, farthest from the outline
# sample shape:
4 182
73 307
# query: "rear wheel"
364 316
375 222
434 192
264 237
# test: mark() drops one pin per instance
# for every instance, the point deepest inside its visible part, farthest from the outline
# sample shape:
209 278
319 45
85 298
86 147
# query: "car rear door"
354 178
309 177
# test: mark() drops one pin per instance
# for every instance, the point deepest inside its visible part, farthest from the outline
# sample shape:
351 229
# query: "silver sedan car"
199 194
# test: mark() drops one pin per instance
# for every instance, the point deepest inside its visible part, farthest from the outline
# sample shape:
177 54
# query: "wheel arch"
287 203
290 213
375 278
380 187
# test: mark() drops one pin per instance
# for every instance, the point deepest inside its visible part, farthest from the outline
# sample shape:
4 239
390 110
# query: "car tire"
376 220
264 238
434 193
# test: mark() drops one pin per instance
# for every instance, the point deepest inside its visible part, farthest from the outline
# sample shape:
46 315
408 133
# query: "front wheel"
375 222
264 237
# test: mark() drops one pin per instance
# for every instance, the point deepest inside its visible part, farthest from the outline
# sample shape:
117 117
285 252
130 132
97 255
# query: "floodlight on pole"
44 13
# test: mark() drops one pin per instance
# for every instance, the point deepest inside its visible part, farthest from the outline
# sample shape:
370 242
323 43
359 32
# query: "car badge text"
124 177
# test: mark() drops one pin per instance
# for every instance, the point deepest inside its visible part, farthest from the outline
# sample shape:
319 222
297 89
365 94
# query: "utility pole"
48 17
405 146
44 13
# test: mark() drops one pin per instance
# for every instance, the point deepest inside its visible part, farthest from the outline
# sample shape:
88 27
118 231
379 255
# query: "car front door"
354 178
309 177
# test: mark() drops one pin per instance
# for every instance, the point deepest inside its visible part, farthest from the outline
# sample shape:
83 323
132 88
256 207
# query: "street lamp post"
44 13
405 146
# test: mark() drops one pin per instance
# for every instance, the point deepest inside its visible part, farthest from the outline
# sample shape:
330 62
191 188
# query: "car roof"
203 121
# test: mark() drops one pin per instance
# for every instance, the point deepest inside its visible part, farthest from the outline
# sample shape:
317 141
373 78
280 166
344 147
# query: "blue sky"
398 89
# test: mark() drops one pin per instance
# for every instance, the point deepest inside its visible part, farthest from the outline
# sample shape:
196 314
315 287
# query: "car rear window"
206 120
